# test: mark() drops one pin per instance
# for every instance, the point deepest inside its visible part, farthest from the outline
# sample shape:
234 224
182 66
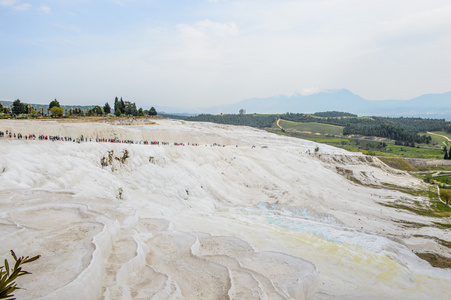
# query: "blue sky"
206 52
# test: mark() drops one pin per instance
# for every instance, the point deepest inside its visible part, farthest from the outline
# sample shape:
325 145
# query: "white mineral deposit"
231 213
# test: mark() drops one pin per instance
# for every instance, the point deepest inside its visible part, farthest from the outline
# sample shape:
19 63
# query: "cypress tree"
152 111
122 106
116 103
107 108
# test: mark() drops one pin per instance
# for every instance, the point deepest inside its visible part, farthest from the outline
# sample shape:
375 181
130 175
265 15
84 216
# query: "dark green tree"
107 108
54 103
116 104
152 111
119 105
19 108
78 111
446 152
122 106
133 110
96 110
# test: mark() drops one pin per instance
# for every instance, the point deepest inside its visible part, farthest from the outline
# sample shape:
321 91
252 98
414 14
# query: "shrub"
428 178
445 195
8 276
57 111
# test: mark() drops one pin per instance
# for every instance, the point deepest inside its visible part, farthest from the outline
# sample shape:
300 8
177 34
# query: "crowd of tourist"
54 138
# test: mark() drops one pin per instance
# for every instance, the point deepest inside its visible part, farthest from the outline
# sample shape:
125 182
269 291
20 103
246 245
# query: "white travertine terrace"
208 222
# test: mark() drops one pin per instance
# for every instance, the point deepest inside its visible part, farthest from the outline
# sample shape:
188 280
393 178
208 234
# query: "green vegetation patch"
435 260
443 133
432 208
253 120
438 139
443 179
312 127
398 163
375 147
434 168
435 209
444 226
334 114
407 224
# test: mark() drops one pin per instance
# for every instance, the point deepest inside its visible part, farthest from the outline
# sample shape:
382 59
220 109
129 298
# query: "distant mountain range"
425 106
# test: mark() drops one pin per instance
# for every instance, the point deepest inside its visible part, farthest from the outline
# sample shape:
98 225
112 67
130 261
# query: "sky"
203 53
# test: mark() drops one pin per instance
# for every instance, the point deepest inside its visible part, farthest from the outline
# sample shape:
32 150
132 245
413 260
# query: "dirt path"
443 136
279 124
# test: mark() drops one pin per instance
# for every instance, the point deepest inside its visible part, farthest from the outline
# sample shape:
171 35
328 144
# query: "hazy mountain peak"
311 100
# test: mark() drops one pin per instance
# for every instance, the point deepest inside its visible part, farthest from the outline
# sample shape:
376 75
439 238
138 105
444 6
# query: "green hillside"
312 127
441 138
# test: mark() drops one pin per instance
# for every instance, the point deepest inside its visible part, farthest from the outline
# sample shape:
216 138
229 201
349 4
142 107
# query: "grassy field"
376 148
332 135
446 179
434 168
399 163
439 139
443 133
312 127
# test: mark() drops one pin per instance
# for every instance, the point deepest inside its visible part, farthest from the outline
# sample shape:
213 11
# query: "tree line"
334 114
389 131
259 121
122 107
405 131
54 109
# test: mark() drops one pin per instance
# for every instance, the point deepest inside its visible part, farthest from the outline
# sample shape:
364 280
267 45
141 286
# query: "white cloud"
156 30
204 41
23 6
219 29
190 31
431 21
44 8
16 4
208 28
8 2
118 2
